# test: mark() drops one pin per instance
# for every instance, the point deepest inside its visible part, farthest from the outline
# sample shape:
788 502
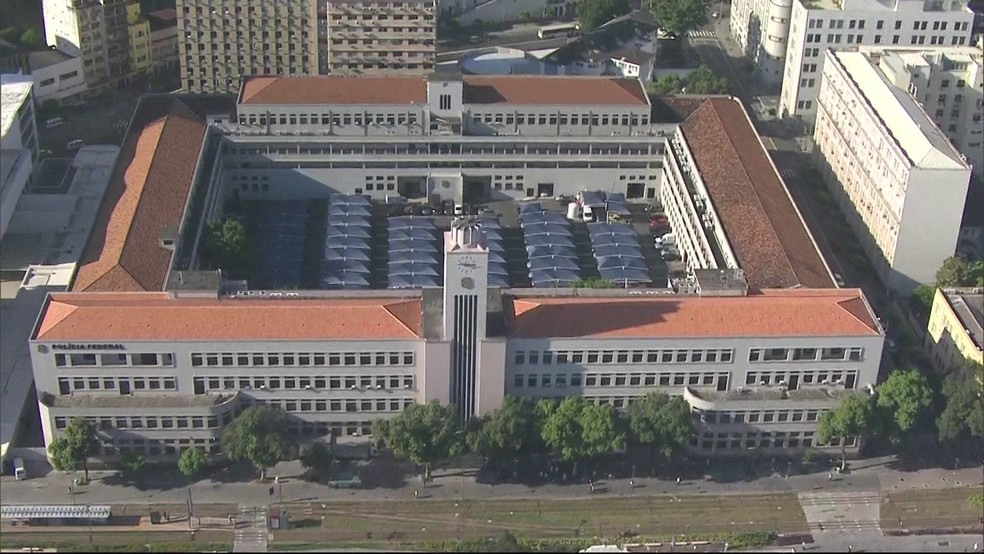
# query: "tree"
316 457
576 429
594 13
256 436
192 462
508 431
133 461
72 450
903 400
963 415
679 17
953 273
662 422
665 85
424 434
525 17
704 81
922 297
227 247
851 418
10 34
32 39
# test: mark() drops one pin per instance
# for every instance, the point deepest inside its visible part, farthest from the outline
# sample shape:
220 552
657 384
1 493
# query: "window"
832 354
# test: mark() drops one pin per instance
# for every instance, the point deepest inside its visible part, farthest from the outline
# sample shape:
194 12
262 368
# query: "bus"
559 30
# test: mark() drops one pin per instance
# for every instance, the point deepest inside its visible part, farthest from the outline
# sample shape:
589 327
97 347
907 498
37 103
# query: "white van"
20 472
587 214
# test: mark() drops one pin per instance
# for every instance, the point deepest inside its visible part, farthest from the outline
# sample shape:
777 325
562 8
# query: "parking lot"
369 254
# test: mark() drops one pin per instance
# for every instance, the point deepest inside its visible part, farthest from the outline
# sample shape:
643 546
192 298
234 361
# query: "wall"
62 81
502 11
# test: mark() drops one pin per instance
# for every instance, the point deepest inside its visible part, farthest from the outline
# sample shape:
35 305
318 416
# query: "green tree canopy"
508 431
72 450
662 422
192 461
227 247
316 456
424 434
594 13
903 400
704 81
963 413
955 272
133 461
580 430
11 34
922 297
666 85
32 39
679 17
257 436
851 418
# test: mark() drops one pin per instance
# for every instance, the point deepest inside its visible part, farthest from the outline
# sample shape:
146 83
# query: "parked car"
839 279
671 257
54 123
73 145
486 211
426 210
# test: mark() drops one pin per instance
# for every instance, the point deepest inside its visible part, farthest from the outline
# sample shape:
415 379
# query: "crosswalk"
701 34
251 530
120 124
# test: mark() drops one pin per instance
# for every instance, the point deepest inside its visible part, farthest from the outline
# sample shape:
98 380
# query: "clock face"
467 283
468 264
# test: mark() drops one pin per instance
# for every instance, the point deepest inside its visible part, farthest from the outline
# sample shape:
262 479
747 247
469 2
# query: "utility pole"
191 509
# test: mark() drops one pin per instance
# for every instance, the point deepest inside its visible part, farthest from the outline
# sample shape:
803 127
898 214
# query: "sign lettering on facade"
73 346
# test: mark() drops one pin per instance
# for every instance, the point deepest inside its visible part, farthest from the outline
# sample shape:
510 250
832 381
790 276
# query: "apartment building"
141 54
96 30
948 83
761 29
19 142
956 328
163 38
816 26
899 181
222 41
369 37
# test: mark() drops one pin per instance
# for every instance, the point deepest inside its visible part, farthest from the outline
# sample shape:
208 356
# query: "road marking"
702 34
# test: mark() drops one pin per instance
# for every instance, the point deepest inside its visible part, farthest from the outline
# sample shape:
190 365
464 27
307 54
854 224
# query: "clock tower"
466 276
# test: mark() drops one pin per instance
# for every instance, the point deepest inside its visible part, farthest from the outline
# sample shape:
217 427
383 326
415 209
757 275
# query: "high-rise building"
895 175
222 41
788 40
96 30
138 26
372 37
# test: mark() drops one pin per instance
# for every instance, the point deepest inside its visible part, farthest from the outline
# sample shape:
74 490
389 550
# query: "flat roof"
763 226
774 313
147 193
489 89
900 115
44 58
969 307
157 316
14 90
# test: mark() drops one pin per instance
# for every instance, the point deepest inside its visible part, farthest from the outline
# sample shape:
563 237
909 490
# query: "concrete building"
948 83
816 26
761 29
726 219
138 28
626 46
163 38
371 37
898 180
19 143
956 335
57 76
96 30
222 41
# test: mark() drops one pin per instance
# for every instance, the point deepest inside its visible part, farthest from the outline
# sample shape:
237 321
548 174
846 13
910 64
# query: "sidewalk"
866 475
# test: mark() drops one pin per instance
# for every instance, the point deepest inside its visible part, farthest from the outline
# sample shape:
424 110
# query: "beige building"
96 30
140 45
381 36
222 41
955 333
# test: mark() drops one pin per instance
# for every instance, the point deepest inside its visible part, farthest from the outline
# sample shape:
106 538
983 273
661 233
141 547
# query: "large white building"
18 141
95 30
899 181
816 26
949 85
57 76
161 354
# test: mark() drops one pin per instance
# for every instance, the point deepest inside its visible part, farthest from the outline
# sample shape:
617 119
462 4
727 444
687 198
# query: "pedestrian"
678 480
416 493
850 548
167 517
631 483
830 476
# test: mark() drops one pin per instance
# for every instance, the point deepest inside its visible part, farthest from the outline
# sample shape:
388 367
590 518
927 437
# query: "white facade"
96 31
57 76
827 24
897 178
18 142
761 28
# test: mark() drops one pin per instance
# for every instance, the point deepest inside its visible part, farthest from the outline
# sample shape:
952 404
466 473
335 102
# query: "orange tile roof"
156 316
147 193
334 90
794 313
771 242
554 91
402 90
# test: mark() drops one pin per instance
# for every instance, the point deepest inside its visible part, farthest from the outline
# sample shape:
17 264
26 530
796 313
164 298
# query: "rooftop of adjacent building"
947 58
763 227
162 19
405 90
886 5
916 134
14 91
45 58
758 393
968 304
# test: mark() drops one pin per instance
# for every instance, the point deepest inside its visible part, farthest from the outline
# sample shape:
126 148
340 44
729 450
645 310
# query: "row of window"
548 357
159 447
152 422
757 416
125 385
746 441
792 379
292 359
854 354
144 359
678 379
335 382
335 119
562 119
338 406
858 39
